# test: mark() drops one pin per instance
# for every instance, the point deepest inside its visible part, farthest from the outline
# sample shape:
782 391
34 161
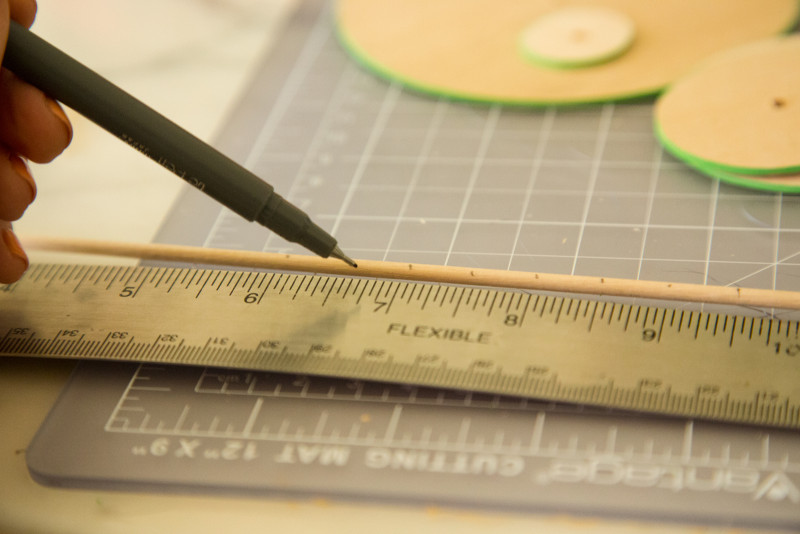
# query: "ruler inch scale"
633 357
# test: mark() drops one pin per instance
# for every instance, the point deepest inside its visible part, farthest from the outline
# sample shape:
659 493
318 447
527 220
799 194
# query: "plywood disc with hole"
470 49
739 111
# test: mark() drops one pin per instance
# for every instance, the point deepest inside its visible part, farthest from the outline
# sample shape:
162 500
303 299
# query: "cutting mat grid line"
403 177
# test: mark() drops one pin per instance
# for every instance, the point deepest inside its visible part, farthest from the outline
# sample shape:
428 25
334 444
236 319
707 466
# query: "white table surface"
188 59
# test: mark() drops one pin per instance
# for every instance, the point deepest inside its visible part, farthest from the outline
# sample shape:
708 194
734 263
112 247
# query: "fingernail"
21 168
59 113
14 246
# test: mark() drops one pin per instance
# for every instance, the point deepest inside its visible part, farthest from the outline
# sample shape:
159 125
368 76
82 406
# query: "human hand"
32 127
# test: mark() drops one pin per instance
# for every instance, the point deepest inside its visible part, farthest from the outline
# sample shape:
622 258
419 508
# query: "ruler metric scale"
661 360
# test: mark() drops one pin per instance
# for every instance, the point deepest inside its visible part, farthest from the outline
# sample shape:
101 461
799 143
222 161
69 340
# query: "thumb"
13 260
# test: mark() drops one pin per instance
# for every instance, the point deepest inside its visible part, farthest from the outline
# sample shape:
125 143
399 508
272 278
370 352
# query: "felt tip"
339 255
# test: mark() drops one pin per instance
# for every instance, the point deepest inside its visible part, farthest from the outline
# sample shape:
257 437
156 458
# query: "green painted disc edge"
697 161
724 175
747 182
738 180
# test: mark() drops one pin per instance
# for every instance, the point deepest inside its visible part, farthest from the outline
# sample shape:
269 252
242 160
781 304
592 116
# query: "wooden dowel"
588 285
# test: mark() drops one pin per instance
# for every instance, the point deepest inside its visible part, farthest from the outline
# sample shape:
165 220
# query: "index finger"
22 11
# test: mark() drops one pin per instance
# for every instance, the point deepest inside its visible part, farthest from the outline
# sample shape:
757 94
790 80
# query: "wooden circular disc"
469 49
739 111
577 36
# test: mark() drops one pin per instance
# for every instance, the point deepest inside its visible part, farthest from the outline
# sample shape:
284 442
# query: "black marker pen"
61 77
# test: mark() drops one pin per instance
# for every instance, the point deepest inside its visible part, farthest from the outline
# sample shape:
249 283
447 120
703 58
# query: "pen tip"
339 255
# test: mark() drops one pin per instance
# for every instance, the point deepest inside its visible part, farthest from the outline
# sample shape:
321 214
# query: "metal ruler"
660 360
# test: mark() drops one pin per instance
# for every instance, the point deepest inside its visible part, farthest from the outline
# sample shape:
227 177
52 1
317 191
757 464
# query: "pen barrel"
76 86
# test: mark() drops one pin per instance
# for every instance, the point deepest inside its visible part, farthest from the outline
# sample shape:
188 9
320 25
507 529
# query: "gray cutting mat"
219 431
404 177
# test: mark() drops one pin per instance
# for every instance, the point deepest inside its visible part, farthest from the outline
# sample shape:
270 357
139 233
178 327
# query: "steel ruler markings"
161 427
662 360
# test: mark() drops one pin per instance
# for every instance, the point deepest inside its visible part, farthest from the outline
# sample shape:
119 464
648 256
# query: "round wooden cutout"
469 49
739 111
574 37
